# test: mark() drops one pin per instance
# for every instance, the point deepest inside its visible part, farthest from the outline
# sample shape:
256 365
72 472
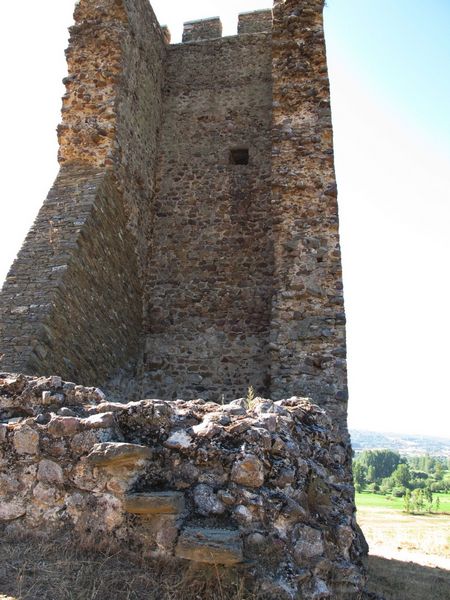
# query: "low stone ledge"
214 546
118 454
257 481
155 503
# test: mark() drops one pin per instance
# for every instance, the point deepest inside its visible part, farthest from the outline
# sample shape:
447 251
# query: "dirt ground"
422 539
45 571
409 554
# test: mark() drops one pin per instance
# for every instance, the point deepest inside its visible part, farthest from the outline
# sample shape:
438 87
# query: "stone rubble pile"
258 484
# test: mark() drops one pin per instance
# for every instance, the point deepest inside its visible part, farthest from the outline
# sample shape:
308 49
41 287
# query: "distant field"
391 533
366 499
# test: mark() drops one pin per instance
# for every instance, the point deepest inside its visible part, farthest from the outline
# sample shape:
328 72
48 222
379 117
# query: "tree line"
414 479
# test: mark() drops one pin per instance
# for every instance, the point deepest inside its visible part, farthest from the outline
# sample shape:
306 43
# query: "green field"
368 499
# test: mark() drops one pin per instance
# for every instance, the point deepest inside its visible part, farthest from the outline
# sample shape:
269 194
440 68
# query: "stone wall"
217 156
209 278
256 21
72 301
308 319
255 483
203 29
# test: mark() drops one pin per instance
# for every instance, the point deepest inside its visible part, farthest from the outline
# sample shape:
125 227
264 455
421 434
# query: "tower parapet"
203 29
256 21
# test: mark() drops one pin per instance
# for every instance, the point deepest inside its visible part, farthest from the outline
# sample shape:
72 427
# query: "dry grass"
423 539
410 554
397 580
45 570
49 570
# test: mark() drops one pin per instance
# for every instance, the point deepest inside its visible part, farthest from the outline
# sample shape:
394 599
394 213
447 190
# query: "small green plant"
250 398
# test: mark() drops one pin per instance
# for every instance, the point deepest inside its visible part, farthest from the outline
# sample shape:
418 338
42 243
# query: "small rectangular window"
239 156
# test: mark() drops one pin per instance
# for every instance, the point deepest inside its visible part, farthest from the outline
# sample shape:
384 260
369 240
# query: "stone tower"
189 246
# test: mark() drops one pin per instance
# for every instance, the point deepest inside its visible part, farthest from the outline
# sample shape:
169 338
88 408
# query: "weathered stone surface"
203 29
100 421
154 503
256 21
248 471
308 543
26 440
215 546
11 510
206 501
64 426
160 479
118 454
50 472
188 248
200 297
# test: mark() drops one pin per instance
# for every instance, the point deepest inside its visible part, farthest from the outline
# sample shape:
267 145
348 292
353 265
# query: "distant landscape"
404 444
403 507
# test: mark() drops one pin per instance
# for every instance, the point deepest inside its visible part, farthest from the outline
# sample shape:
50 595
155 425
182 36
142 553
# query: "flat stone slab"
216 546
117 454
154 503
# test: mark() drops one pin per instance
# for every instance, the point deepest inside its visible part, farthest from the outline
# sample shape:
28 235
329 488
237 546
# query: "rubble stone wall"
308 319
72 302
237 272
255 483
209 278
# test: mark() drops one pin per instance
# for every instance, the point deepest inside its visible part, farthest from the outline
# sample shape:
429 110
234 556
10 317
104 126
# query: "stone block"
50 472
214 546
26 440
154 503
249 472
118 454
256 21
204 29
9 511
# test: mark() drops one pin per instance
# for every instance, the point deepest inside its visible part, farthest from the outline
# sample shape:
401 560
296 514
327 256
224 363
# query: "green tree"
383 463
407 501
417 501
438 471
371 474
402 475
438 504
359 476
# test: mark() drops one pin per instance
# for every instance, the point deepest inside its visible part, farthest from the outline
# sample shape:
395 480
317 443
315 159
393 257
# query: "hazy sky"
389 70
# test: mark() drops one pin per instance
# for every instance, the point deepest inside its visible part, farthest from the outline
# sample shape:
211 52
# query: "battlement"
256 21
203 29
167 36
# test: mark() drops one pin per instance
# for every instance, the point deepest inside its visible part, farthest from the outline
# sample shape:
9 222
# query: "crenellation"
256 21
203 29
167 36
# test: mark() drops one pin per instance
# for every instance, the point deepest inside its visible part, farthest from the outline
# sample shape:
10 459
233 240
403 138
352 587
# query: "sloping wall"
72 301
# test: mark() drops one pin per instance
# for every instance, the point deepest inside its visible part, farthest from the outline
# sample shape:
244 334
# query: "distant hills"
405 444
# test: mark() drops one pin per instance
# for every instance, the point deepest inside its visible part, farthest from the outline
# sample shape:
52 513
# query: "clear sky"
389 68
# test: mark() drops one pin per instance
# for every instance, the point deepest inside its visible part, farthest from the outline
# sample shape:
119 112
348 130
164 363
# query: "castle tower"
189 246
